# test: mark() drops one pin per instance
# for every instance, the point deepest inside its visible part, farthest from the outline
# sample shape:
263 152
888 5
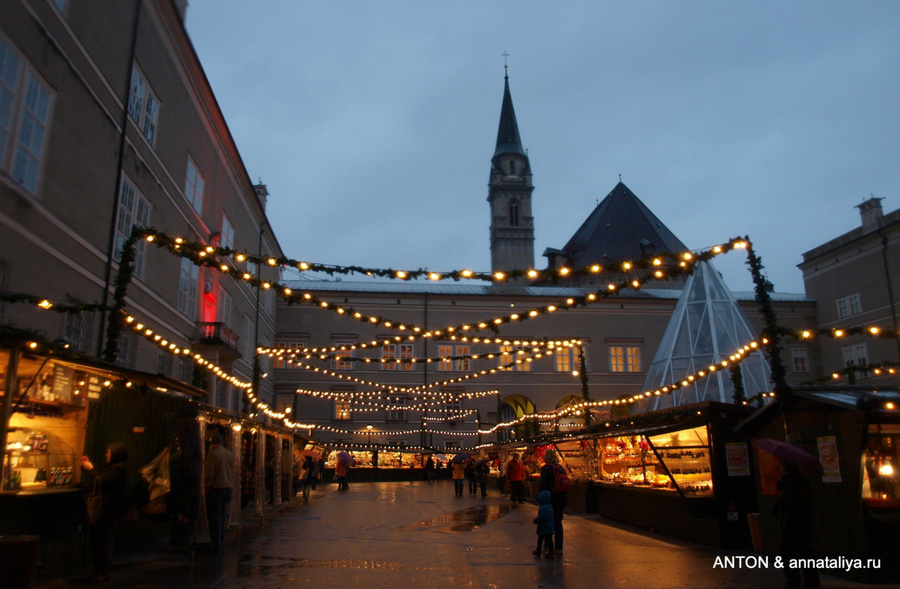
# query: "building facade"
854 280
336 359
107 121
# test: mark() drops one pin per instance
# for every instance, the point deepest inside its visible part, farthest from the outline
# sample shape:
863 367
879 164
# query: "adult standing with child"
558 497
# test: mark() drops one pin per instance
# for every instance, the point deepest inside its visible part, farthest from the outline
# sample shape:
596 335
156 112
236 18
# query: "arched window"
514 213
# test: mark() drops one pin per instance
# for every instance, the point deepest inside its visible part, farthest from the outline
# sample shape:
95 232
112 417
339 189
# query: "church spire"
508 140
509 194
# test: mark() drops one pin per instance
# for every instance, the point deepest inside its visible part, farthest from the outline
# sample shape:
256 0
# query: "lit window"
133 210
625 358
187 288
143 106
451 359
24 104
342 360
567 359
391 352
800 357
194 185
342 409
509 354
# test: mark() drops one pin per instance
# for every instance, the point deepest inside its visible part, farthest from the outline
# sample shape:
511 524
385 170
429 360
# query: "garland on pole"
770 332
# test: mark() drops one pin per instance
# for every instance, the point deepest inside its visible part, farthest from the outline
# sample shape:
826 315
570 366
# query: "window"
856 355
343 360
453 408
227 234
342 409
125 350
514 214
193 186
397 411
187 288
143 106
448 362
567 359
224 311
626 358
397 351
24 115
133 210
849 305
510 354
800 357
164 362
78 330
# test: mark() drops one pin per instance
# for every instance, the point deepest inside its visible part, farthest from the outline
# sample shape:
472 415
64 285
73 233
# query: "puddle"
254 565
466 520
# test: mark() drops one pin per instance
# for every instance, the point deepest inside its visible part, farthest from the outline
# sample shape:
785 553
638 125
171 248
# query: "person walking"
429 470
459 473
482 470
470 476
218 480
501 478
793 508
307 476
110 482
515 474
544 521
559 499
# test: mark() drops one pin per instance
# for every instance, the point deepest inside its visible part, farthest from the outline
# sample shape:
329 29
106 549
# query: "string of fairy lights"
637 274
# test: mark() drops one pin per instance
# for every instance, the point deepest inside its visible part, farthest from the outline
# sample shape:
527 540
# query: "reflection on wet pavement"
255 565
466 520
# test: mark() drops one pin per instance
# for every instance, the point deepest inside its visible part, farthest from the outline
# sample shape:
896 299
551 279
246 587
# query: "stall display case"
30 462
686 455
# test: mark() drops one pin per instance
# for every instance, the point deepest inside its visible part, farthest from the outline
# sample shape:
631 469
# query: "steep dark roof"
508 140
620 228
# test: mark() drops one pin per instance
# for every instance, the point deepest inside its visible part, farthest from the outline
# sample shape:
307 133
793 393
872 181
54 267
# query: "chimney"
871 213
262 193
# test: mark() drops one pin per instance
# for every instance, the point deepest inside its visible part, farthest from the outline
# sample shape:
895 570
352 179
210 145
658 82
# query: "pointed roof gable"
620 228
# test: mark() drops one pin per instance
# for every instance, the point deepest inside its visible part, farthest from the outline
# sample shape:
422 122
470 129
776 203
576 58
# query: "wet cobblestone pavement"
419 536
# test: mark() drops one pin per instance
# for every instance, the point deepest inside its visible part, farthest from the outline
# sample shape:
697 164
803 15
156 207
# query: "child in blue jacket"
544 521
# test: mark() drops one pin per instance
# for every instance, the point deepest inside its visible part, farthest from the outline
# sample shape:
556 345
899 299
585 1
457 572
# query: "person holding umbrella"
459 473
482 469
341 469
793 508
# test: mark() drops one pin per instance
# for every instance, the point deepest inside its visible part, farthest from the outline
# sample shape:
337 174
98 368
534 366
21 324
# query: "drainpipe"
887 279
111 244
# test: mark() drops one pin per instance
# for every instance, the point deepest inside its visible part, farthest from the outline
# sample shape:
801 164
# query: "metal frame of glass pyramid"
707 326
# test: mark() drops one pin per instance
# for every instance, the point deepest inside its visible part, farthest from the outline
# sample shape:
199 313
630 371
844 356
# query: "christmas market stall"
854 432
680 471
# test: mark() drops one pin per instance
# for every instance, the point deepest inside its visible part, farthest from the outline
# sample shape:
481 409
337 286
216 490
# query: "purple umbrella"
789 452
345 458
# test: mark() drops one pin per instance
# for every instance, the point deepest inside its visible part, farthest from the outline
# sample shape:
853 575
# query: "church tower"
509 195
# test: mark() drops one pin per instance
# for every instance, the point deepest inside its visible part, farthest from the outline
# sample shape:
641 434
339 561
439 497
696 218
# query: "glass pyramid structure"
707 327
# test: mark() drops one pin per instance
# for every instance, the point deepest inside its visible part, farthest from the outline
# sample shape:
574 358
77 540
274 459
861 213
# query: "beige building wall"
635 320
55 233
855 281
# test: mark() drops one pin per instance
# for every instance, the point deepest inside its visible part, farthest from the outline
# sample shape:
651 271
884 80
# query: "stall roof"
874 402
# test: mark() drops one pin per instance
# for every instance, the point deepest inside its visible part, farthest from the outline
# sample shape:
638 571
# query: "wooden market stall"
855 433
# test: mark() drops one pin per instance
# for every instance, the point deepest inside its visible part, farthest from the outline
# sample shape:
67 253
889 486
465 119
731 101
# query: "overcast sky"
373 122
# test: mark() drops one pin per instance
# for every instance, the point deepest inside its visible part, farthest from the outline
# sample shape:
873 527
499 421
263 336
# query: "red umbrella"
312 453
789 452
